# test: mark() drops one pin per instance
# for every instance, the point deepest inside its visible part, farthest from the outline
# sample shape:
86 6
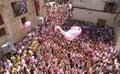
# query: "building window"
23 20
1 20
2 31
111 7
101 22
19 8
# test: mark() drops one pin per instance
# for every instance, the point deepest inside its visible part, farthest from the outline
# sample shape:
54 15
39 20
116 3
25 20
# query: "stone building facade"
12 28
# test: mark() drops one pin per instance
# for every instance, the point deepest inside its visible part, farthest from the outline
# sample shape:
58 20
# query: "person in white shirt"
6 71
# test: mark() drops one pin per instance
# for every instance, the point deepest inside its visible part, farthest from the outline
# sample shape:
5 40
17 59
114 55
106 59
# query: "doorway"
101 22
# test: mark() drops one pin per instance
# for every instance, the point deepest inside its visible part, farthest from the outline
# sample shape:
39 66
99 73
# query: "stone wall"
13 25
93 16
117 32
93 12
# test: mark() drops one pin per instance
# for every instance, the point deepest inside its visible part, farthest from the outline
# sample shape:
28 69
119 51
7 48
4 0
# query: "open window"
101 22
23 20
111 7
2 31
19 8
1 20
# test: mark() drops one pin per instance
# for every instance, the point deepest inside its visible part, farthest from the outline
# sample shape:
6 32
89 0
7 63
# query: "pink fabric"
27 24
71 34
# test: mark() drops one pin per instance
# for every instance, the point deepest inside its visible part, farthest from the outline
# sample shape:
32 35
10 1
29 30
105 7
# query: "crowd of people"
57 14
44 51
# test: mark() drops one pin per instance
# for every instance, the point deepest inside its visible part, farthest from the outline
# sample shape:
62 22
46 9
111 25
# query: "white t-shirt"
7 72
